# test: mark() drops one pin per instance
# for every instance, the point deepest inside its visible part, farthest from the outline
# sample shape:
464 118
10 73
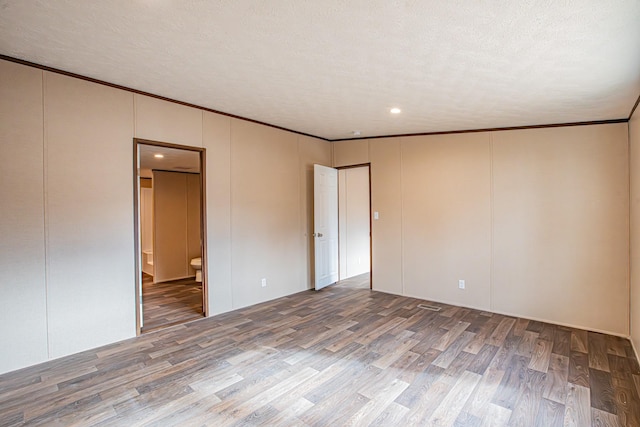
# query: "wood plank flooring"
170 303
361 281
340 356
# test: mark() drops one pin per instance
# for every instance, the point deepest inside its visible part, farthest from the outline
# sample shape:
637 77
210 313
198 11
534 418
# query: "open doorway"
354 226
170 228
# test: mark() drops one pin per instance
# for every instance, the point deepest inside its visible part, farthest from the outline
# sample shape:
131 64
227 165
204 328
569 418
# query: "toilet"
196 263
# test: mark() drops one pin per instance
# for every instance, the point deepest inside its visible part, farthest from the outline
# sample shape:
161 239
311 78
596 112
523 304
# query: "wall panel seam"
186 225
629 219
45 216
135 116
492 228
303 275
346 216
401 218
333 155
229 207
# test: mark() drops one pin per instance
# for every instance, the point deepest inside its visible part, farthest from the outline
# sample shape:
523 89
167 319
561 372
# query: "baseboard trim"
568 325
504 313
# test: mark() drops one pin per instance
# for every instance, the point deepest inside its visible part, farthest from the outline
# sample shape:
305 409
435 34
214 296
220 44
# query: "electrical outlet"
461 284
264 282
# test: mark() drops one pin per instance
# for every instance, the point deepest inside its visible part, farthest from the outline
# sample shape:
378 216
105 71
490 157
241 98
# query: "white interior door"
325 224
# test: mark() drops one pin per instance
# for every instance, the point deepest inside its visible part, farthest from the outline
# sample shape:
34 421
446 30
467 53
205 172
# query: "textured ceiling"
174 160
330 67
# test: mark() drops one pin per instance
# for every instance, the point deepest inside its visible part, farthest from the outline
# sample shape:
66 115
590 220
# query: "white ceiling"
174 159
329 67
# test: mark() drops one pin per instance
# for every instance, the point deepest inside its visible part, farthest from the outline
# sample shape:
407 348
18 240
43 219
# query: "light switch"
376 215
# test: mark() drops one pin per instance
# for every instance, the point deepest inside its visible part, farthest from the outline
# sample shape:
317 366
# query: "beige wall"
634 143
67 186
146 226
176 222
194 235
89 227
23 320
158 120
265 220
535 221
446 218
561 212
386 200
346 153
217 141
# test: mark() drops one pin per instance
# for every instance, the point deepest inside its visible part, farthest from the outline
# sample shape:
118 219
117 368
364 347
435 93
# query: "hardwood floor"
361 281
170 303
340 356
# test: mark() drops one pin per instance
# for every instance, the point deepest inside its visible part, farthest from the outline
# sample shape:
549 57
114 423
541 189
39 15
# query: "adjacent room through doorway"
170 280
354 225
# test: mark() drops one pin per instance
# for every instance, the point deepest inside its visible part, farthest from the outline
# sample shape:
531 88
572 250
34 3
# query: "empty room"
319 213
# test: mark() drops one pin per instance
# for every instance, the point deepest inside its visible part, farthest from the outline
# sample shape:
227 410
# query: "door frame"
136 220
361 165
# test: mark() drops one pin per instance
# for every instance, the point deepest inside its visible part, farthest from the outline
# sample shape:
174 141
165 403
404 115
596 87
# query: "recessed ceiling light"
395 110
357 133
158 156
